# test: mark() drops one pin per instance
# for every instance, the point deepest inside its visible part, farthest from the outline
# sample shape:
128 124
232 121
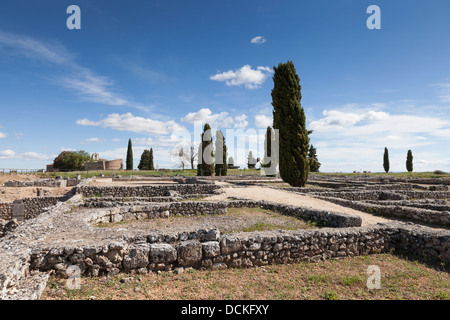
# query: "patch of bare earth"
9 194
286 197
236 220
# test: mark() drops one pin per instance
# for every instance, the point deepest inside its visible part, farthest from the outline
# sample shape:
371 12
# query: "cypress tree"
269 161
151 166
129 164
206 169
409 161
386 160
144 162
289 119
221 166
251 160
314 163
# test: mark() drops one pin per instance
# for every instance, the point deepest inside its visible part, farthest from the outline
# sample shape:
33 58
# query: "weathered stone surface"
162 253
211 249
213 235
137 257
230 244
189 253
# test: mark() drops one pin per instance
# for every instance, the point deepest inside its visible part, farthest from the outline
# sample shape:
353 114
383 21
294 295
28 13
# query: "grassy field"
232 172
390 174
171 173
401 278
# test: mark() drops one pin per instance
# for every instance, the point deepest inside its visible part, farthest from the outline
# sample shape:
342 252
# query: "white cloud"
336 119
129 122
142 141
444 91
11 154
35 155
116 140
240 121
355 140
68 149
250 78
262 121
7 154
217 120
97 140
2 135
258 40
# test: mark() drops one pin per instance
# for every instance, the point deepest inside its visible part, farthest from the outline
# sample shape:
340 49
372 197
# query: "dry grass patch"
401 278
236 220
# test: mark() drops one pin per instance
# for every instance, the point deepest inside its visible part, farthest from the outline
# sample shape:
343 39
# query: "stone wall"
330 219
409 213
382 195
146 191
152 211
137 212
33 206
246 250
110 252
50 183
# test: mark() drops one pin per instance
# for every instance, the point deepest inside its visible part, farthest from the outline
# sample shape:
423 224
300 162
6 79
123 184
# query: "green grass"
231 172
156 173
375 174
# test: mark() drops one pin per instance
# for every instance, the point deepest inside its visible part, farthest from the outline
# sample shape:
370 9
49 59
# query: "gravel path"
286 197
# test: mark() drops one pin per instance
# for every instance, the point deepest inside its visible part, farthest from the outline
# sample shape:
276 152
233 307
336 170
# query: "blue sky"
144 69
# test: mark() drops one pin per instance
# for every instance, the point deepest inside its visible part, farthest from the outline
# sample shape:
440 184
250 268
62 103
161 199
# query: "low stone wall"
329 219
107 202
137 212
146 191
33 206
427 216
50 183
152 211
246 250
382 195
438 205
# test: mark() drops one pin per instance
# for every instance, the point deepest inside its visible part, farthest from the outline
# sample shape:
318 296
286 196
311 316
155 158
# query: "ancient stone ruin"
84 231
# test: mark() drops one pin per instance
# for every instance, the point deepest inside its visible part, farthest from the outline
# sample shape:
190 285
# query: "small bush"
329 295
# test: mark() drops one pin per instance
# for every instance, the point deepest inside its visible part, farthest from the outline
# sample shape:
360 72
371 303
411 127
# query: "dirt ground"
8 194
286 197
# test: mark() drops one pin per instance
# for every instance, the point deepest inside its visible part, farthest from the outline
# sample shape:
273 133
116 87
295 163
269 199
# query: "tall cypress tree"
221 166
409 161
207 154
269 162
289 119
314 163
151 166
129 164
144 163
386 160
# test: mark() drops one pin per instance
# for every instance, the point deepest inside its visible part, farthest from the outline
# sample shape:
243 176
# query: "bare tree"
192 155
178 156
184 154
